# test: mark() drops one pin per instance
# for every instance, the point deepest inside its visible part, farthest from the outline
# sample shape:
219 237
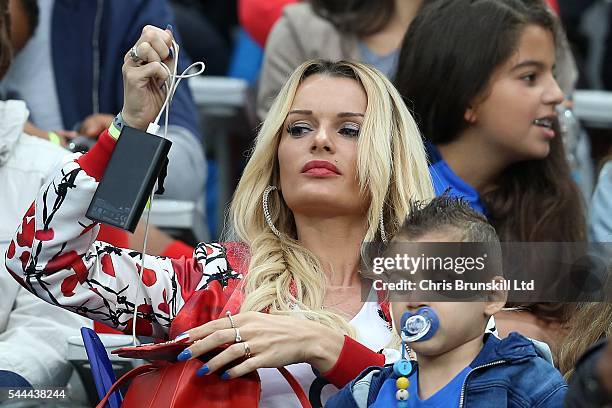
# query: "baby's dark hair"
466 234
447 213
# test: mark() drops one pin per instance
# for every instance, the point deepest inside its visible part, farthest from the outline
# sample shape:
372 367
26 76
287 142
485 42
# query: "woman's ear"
496 299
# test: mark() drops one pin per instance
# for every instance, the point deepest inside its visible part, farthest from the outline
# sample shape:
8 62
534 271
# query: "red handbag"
177 385
168 383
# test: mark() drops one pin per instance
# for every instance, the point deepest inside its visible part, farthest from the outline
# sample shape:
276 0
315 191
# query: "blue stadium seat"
101 367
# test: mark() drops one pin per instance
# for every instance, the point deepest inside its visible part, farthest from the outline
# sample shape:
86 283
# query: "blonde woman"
335 164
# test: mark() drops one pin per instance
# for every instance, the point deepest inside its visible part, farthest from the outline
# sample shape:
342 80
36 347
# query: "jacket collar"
512 348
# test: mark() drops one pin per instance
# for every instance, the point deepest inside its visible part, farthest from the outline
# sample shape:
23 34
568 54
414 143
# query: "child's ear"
496 299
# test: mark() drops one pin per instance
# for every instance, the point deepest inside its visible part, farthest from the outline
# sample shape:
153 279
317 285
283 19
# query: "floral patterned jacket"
55 255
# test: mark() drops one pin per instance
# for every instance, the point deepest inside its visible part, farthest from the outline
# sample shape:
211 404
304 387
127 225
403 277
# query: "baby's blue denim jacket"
506 373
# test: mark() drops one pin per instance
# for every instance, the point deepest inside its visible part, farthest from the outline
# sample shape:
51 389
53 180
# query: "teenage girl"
480 78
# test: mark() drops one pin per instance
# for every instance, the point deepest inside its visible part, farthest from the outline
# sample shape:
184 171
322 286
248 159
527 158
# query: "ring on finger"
238 339
134 55
247 350
229 316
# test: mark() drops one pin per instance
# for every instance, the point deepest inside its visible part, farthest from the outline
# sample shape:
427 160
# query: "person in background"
607 57
368 31
30 38
575 140
69 75
591 384
257 17
27 324
590 323
489 126
600 222
212 20
571 13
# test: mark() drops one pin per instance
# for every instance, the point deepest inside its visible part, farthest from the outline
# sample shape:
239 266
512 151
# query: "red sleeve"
114 236
354 358
94 162
257 17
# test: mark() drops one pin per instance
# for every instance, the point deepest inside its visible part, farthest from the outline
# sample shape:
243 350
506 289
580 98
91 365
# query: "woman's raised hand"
144 76
265 341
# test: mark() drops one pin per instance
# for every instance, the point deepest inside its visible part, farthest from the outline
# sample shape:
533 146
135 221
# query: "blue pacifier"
419 326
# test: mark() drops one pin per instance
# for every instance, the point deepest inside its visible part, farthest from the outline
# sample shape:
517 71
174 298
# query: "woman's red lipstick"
320 168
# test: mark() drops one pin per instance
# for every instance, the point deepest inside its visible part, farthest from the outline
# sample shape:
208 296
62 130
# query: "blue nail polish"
185 355
225 376
169 27
171 52
203 370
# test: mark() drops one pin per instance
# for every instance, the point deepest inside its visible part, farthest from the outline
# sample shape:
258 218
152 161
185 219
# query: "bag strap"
296 387
125 377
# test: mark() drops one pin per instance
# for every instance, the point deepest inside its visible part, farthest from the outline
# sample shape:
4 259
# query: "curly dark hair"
443 212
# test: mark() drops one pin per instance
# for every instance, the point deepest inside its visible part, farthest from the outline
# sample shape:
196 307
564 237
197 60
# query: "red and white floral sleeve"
55 255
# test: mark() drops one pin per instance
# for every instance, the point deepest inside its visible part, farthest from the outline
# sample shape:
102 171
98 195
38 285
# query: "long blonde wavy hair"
391 168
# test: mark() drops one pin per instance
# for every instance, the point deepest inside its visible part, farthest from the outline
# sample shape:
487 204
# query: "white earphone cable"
171 84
